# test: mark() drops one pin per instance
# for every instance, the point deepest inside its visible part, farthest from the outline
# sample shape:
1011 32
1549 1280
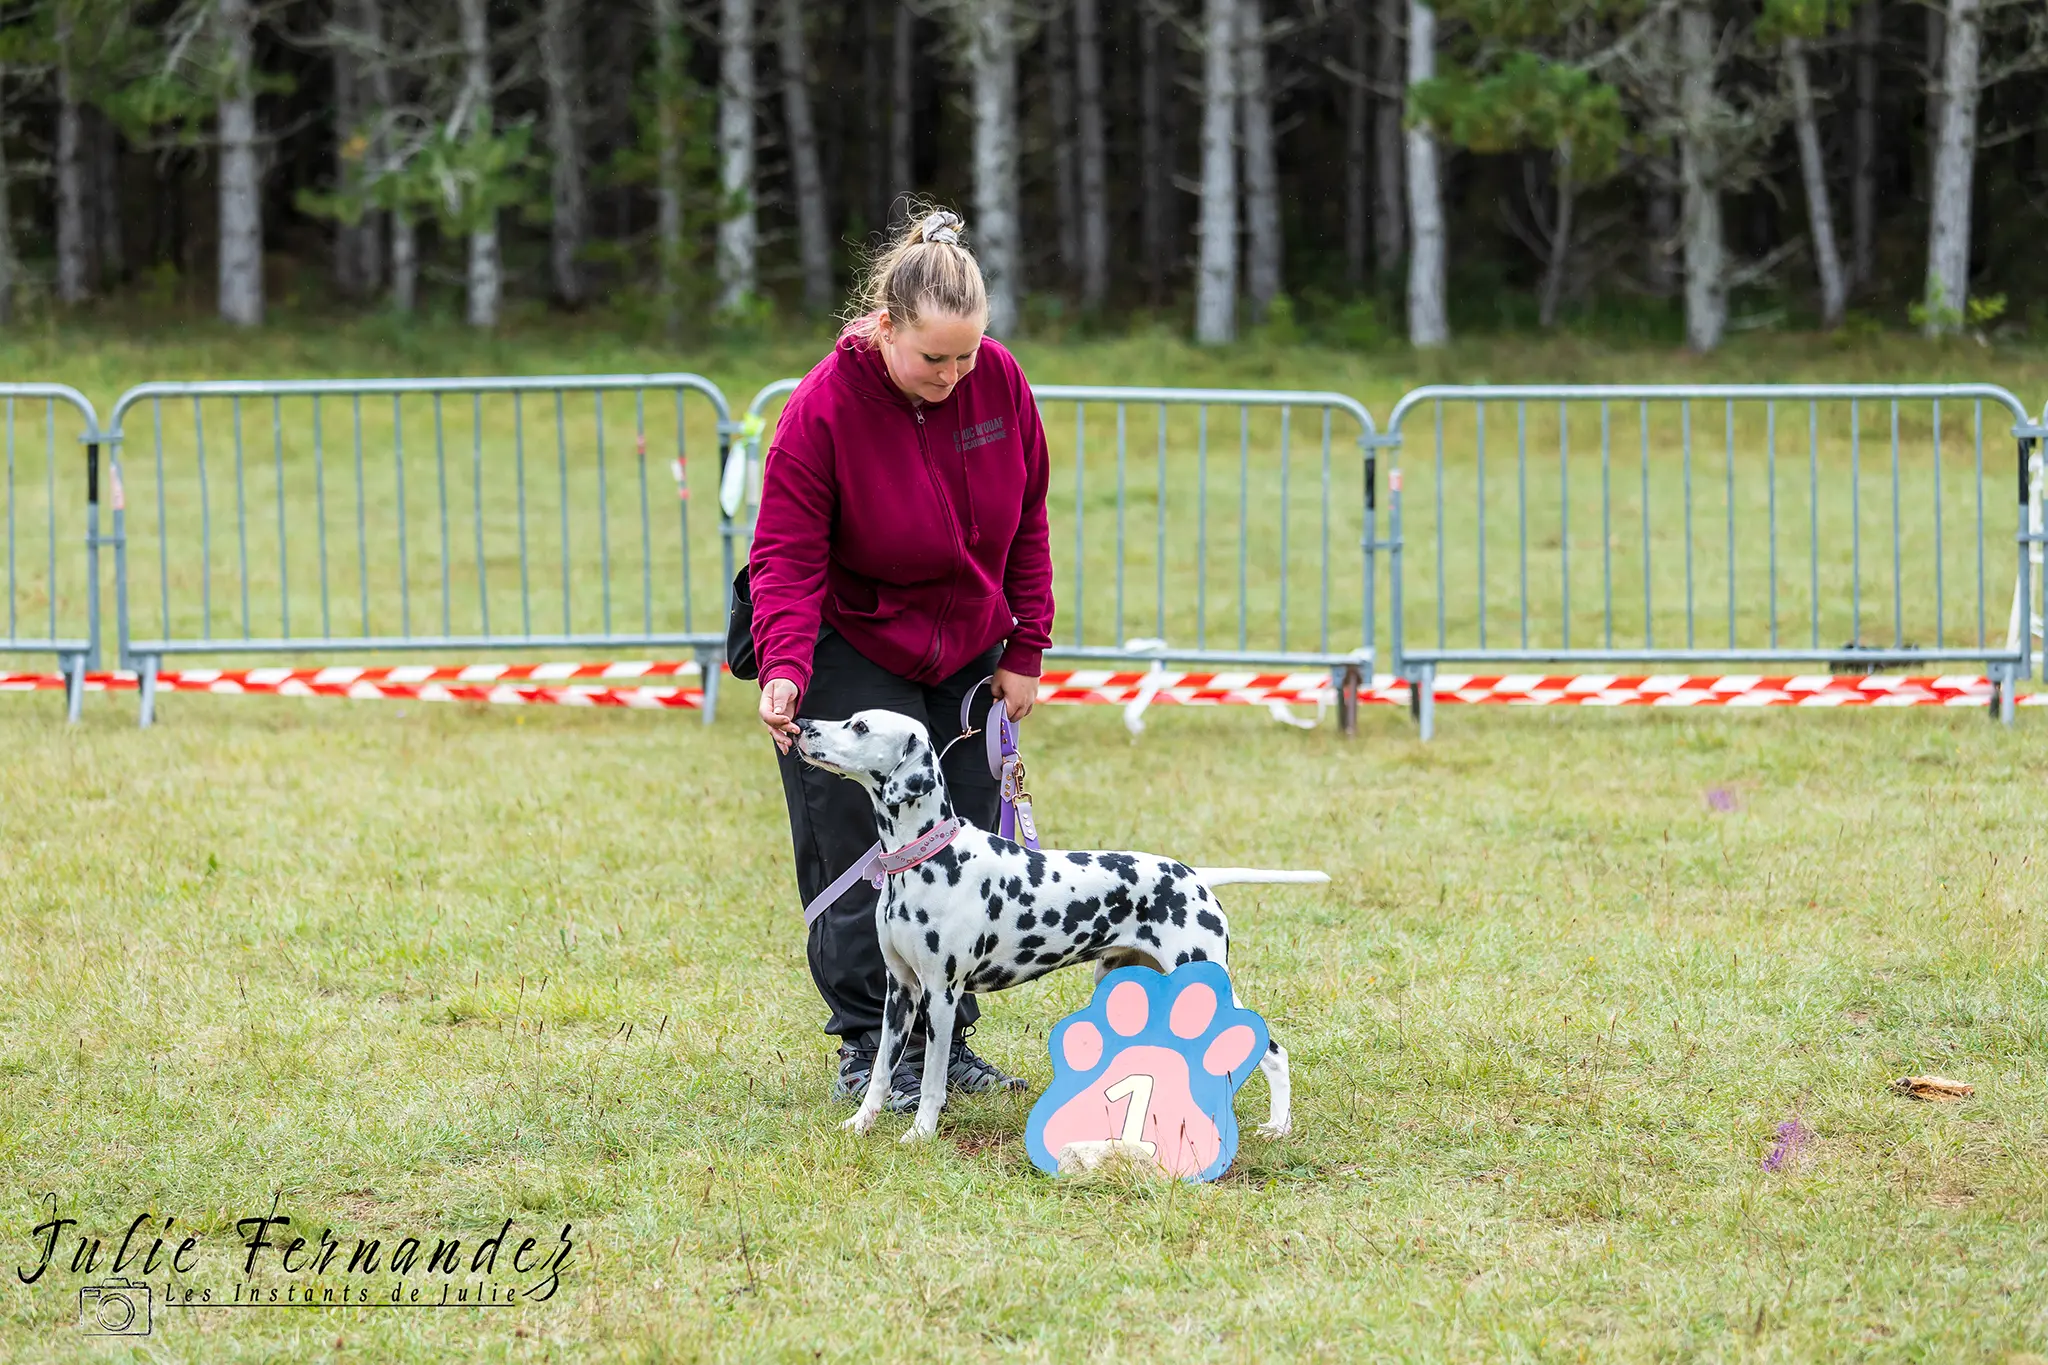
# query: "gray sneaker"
974 1075
857 1065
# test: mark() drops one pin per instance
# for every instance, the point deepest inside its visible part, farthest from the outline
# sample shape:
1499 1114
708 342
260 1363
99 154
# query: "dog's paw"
1273 1132
1152 1063
861 1122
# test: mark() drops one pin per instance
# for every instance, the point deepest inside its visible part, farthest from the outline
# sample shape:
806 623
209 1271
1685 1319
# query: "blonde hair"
925 270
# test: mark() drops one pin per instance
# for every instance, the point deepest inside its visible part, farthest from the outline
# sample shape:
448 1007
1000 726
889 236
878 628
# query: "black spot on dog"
1209 921
1146 933
952 971
924 917
1123 864
1180 960
1027 920
1197 955
1031 941
1049 918
985 884
927 874
1081 859
1034 867
995 908
931 940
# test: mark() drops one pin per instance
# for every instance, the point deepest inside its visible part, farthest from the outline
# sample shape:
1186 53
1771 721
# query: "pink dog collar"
916 851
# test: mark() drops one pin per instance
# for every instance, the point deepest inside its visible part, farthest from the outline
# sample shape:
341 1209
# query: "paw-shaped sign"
1151 1063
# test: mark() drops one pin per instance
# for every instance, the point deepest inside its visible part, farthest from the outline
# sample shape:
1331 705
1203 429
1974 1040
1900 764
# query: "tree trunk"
1390 222
1216 285
992 53
241 191
405 263
902 111
1066 194
1955 152
875 160
1706 271
10 267
107 197
74 246
1813 170
486 275
1863 148
1428 324
561 61
668 155
814 237
377 154
1357 136
1155 175
348 162
1923 183
1662 225
1559 260
1094 156
736 219
1261 173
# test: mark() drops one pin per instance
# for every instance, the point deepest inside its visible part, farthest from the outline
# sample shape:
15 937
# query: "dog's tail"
1213 877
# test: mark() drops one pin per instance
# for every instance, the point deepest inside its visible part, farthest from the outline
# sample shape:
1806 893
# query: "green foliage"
1529 101
1281 327
1802 18
461 179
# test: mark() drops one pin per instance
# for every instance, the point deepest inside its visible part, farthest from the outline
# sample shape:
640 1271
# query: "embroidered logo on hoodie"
979 435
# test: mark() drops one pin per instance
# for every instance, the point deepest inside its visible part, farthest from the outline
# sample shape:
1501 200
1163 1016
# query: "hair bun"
941 225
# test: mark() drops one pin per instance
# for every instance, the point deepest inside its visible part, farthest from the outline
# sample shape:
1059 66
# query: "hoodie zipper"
924 450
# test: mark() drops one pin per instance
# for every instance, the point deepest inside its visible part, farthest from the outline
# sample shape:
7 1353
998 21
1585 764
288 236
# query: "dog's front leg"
897 1013
938 1056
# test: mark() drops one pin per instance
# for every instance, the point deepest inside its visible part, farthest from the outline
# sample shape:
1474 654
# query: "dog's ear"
914 778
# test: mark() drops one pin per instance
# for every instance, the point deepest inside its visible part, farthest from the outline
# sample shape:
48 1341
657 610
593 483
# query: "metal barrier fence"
1215 527
317 517
1853 526
52 599
1846 525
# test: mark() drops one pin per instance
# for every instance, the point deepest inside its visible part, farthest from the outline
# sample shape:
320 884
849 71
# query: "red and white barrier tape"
617 684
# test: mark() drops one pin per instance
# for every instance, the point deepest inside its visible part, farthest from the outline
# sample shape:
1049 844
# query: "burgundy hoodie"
916 530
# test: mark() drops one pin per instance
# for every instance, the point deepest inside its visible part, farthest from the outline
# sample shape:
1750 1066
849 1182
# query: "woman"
899 560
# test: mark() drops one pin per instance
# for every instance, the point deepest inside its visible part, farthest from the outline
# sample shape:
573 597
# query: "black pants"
832 821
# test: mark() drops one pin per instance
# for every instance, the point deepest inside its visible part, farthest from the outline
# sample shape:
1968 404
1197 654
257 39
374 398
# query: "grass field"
404 967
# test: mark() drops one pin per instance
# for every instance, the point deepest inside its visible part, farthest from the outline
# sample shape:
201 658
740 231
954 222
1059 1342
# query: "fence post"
92 549
1347 700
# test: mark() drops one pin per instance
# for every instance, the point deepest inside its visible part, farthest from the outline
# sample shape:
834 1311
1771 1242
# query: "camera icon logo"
116 1308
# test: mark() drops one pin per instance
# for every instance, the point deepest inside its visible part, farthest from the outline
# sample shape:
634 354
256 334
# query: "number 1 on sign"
1138 1089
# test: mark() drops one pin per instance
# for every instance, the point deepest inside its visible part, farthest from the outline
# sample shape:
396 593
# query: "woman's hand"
1016 692
778 711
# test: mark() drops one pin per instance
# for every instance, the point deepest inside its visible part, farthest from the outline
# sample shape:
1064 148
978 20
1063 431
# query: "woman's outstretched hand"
778 711
1016 692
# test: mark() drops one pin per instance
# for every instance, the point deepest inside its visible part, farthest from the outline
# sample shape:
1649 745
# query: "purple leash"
1005 764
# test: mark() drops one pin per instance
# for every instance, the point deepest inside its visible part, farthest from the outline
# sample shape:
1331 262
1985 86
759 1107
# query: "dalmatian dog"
961 910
